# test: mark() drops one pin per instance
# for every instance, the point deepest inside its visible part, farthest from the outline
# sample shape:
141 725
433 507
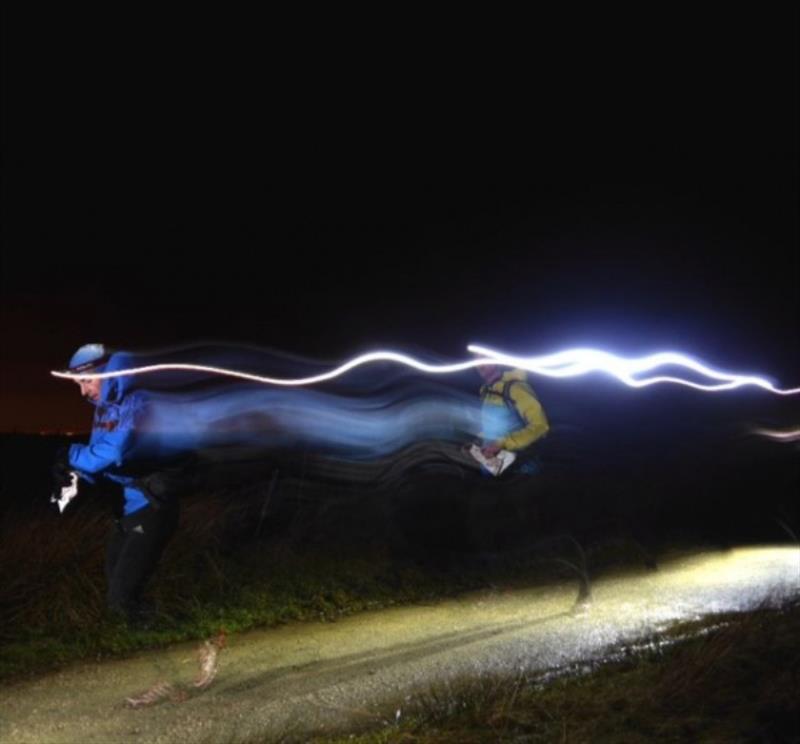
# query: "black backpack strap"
508 400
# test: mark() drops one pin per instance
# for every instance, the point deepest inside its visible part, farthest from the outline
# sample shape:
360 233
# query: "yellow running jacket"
511 415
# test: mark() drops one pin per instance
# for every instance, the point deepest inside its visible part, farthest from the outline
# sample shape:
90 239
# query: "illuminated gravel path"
312 677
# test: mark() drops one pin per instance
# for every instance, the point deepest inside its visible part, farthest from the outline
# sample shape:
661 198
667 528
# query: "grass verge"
219 573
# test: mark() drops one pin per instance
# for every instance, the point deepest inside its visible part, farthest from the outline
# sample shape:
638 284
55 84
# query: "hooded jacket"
118 414
516 429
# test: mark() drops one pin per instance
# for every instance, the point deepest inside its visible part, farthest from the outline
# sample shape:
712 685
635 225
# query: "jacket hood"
510 375
514 374
114 389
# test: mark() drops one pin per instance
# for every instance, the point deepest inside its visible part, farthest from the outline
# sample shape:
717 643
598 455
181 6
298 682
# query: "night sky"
628 183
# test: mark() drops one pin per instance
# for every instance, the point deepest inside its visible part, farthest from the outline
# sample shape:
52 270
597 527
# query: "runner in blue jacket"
115 452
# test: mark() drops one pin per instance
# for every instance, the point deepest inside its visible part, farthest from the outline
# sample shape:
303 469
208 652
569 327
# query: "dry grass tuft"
208 657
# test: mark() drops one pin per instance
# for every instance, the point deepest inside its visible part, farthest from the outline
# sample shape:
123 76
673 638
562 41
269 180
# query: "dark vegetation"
248 554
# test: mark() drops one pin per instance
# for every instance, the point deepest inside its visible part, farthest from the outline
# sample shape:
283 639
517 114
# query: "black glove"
61 469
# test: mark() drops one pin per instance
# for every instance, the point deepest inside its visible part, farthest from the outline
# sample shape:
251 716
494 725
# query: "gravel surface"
320 677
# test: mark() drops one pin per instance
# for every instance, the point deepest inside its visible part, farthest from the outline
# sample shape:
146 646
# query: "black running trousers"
134 549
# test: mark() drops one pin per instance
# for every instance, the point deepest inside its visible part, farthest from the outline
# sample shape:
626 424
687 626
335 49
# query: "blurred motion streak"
569 363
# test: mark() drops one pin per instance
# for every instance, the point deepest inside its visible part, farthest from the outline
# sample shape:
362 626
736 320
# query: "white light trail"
569 363
778 435
576 362
375 356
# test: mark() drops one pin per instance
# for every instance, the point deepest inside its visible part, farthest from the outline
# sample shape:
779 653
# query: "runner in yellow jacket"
512 417
507 514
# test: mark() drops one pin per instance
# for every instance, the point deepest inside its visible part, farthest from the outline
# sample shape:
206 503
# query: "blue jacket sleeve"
108 449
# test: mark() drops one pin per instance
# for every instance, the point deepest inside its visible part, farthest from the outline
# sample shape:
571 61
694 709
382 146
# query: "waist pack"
165 483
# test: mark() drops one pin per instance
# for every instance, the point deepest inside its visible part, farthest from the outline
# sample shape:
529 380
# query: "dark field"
321 539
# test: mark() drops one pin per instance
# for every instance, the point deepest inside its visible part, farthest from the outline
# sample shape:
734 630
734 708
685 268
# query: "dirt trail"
317 677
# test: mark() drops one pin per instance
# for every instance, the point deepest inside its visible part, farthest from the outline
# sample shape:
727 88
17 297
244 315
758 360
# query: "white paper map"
67 493
495 465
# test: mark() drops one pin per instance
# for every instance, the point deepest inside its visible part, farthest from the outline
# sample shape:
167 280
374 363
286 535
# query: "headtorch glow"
577 362
779 435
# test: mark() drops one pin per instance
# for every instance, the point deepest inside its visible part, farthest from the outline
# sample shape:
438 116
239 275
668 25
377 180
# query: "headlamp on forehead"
88 358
